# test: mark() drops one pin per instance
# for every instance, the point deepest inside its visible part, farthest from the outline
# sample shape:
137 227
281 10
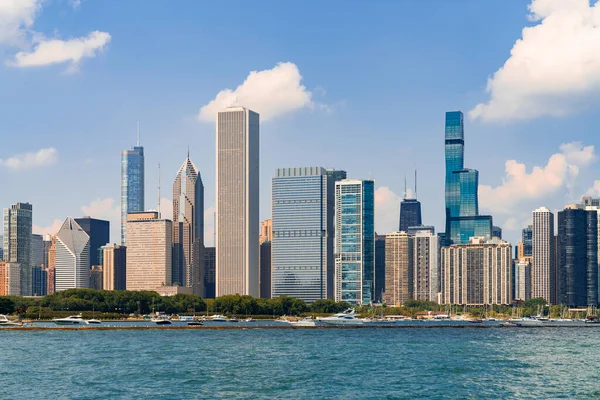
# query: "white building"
72 257
522 280
237 184
543 266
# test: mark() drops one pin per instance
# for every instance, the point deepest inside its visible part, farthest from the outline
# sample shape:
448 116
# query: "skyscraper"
522 280
17 241
462 205
426 264
577 272
543 252
39 281
188 228
379 267
36 259
99 232
10 279
266 231
526 239
209 272
410 209
355 241
114 267
237 202
132 184
336 174
398 268
302 245
265 270
72 257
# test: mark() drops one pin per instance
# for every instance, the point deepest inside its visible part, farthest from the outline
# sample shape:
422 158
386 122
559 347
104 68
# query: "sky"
354 85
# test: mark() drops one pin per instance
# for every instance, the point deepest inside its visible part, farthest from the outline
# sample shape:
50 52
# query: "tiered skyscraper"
132 184
462 205
72 256
17 241
237 202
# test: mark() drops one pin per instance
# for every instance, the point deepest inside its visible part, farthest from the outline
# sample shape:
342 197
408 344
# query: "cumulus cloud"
594 191
107 209
387 210
519 185
48 230
19 162
16 17
271 93
554 69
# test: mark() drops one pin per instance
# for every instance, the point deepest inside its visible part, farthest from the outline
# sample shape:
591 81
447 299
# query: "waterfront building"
17 241
462 205
132 184
302 244
114 267
10 279
577 272
188 228
237 184
426 266
522 280
379 267
265 271
266 231
96 277
149 251
39 281
477 273
209 272
36 258
99 232
543 250
399 270
336 174
72 257
355 241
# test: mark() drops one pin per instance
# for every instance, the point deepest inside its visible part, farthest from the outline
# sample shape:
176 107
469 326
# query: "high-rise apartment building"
10 279
188 228
302 245
354 278
132 184
577 268
99 232
237 202
149 251
426 266
72 257
462 205
399 270
523 280
543 255
17 241
209 272
114 267
379 267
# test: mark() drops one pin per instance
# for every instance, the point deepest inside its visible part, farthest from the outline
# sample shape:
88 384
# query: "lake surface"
301 364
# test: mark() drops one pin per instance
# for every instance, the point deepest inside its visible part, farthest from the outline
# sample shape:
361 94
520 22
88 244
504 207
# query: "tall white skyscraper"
543 252
237 202
72 256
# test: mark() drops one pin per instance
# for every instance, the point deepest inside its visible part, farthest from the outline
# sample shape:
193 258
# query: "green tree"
7 306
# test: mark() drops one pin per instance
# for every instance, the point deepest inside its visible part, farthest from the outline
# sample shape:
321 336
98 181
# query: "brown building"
10 279
398 268
51 280
266 231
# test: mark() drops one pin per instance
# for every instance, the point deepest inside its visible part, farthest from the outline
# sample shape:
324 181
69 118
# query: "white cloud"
271 93
594 191
387 210
55 51
554 69
42 158
16 17
166 208
519 185
107 209
49 230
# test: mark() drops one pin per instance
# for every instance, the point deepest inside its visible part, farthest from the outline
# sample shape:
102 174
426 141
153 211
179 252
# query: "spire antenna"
138 134
415 183
405 192
158 190
188 151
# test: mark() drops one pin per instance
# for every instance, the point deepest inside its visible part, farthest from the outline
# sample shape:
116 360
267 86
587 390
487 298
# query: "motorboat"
304 322
527 321
161 320
70 320
4 321
250 320
195 322
94 321
346 318
218 318
233 319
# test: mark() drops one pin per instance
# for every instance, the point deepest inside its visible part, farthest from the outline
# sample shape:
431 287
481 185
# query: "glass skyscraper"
17 241
132 184
355 241
302 243
410 214
462 206
526 238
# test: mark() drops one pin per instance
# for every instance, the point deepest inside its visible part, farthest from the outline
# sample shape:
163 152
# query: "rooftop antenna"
158 190
138 134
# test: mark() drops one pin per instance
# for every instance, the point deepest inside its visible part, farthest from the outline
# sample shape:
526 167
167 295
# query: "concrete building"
426 264
209 272
399 270
149 251
265 270
132 184
523 280
72 257
114 267
266 231
17 241
10 279
543 252
237 194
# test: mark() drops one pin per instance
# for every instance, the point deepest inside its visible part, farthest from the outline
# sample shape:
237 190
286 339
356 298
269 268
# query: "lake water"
301 364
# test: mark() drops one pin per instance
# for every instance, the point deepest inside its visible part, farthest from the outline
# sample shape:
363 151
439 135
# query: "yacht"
234 319
304 322
250 319
218 318
94 321
346 318
6 322
195 322
527 321
70 320
161 320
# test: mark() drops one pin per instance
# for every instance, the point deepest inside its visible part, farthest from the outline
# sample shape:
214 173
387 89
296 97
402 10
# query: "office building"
302 244
522 280
426 266
132 184
266 231
497 232
577 269
36 258
99 232
265 271
588 201
188 228
237 196
114 267
39 281
412 230
96 277
379 267
149 251
47 243
462 205
543 266
210 263
526 239
355 241
477 273
72 257
398 268
17 241
10 279
336 174
410 214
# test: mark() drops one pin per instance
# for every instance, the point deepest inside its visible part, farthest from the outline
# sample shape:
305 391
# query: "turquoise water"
301 364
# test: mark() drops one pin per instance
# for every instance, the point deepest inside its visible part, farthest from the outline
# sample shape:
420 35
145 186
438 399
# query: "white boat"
161 320
233 319
346 318
218 318
249 319
4 321
304 322
94 321
70 320
525 321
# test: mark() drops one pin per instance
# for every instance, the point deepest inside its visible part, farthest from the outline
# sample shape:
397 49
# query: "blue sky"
376 80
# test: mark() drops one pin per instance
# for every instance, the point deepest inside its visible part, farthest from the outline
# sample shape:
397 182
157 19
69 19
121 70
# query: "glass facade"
354 241
410 214
302 242
17 241
39 279
99 232
526 238
132 185
379 267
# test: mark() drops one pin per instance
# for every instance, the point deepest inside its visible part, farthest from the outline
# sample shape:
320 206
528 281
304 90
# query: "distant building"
355 241
149 251
72 257
399 270
209 272
39 279
265 270
523 280
48 240
543 252
379 267
497 232
410 214
17 241
426 266
132 185
99 232
10 279
526 239
412 230
96 277
590 201
36 259
114 267
51 276
266 231
336 174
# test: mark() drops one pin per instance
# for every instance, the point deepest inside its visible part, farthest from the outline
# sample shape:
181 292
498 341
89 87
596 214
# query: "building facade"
354 279
17 241
99 232
237 196
36 259
265 270
72 257
410 214
379 267
399 279
266 231
210 263
39 281
132 185
522 280
114 267
96 277
302 211
426 266
543 266
10 279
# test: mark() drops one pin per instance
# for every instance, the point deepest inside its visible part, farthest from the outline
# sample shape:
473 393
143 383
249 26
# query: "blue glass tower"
462 205
132 184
